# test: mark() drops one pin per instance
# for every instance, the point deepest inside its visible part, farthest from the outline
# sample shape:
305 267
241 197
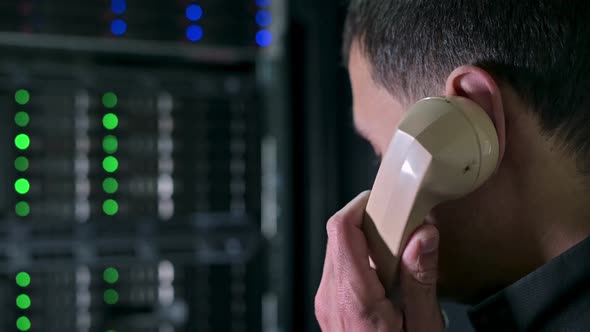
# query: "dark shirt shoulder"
555 297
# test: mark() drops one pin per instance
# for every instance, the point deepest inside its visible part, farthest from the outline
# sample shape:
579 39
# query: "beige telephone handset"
444 148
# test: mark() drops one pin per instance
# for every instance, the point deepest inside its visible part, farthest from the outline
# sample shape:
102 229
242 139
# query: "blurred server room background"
170 165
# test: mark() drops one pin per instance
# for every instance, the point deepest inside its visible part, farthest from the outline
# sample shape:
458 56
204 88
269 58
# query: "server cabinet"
138 167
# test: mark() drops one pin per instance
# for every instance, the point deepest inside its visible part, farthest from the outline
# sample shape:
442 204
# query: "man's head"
527 63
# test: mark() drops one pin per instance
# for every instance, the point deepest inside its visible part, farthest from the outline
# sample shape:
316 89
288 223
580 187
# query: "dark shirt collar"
540 297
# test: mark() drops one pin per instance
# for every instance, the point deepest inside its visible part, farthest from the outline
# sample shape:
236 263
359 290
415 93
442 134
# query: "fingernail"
429 244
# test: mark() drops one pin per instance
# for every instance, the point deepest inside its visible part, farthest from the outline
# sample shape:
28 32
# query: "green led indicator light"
22 209
22 186
109 100
110 275
23 301
110 185
111 296
110 121
110 207
111 331
22 119
21 164
110 164
110 144
23 323
22 141
23 279
22 97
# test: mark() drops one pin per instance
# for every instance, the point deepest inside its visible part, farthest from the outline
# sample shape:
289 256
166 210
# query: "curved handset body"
443 149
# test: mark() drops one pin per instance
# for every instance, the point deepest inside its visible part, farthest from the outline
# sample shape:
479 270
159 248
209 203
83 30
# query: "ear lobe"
477 85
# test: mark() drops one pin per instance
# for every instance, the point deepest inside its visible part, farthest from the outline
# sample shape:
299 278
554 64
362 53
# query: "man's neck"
557 239
558 208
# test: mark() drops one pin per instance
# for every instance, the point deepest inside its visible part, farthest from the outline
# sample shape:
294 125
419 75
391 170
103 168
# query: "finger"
418 277
325 294
328 263
344 230
351 213
354 211
324 300
349 254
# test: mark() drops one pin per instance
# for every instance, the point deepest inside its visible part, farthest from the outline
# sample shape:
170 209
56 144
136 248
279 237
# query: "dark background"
233 152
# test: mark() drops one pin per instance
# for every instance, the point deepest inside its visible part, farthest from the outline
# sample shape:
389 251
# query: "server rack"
141 173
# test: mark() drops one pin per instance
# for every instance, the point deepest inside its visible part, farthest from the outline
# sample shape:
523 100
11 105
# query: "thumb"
418 277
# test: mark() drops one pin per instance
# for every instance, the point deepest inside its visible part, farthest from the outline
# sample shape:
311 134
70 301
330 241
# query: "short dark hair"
540 47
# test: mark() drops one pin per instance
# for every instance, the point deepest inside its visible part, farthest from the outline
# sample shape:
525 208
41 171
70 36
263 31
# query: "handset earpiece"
443 149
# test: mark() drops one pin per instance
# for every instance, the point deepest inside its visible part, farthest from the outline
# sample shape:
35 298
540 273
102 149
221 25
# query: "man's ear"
477 85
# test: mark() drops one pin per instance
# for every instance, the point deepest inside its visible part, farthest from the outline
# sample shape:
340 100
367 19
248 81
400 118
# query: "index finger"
352 213
349 251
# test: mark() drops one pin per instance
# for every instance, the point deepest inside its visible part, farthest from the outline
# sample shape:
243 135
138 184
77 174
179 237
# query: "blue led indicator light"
264 38
194 33
194 12
264 18
263 3
118 27
118 6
